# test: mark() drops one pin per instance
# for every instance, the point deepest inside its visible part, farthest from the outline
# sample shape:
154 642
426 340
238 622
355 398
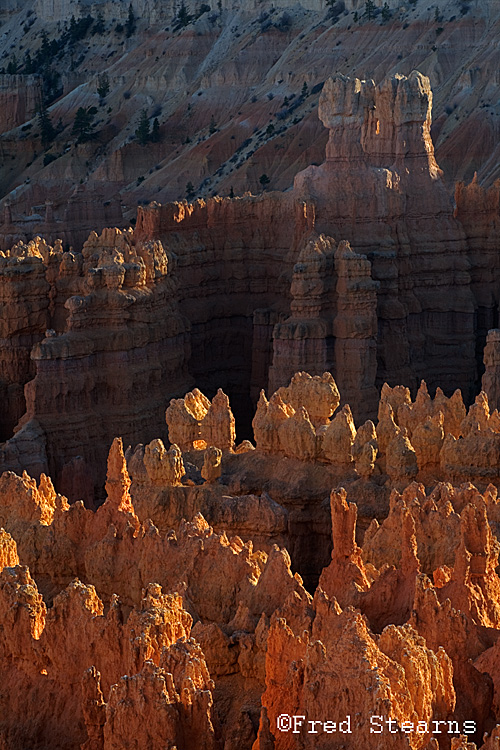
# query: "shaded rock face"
333 322
374 278
19 97
478 210
491 376
230 263
107 343
381 189
361 271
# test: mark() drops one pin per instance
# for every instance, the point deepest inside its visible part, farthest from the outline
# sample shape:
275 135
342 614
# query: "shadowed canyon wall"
364 270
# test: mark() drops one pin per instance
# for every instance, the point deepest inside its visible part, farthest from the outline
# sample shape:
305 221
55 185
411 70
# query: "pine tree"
386 13
99 27
155 132
189 190
73 30
44 53
28 64
131 24
356 17
183 17
47 131
82 126
12 66
213 127
369 9
264 181
304 91
231 192
143 132
103 86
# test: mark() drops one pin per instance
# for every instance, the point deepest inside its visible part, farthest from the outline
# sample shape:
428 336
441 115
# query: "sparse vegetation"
102 86
204 8
370 9
47 131
335 9
131 23
78 29
183 17
48 158
83 126
99 26
284 22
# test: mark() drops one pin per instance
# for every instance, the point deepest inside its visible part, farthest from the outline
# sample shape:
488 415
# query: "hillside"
234 92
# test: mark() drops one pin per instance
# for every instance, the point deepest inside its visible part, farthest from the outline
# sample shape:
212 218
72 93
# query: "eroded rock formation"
375 283
197 638
107 345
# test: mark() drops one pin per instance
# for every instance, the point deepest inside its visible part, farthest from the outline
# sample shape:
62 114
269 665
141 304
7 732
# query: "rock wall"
491 376
19 99
478 211
232 259
109 346
381 189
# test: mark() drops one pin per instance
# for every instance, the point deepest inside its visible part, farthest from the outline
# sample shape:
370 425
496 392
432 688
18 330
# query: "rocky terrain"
173 616
386 282
234 89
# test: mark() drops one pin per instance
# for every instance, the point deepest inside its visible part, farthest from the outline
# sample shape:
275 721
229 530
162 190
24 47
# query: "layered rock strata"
390 287
397 212
410 258
108 346
276 491
333 322
491 376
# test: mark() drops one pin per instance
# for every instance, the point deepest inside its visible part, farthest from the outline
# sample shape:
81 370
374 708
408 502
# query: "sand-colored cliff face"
116 626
